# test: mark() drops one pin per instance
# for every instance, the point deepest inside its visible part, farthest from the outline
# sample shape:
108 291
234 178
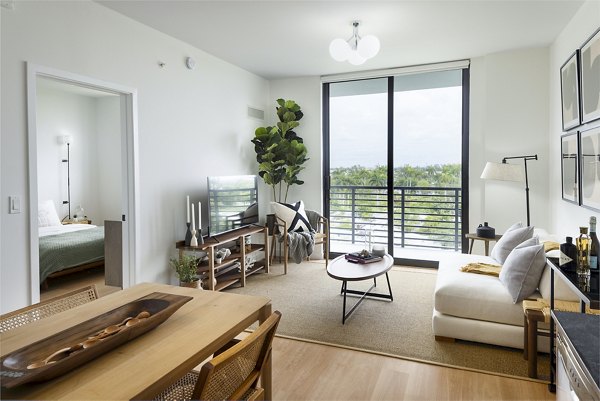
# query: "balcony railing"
424 217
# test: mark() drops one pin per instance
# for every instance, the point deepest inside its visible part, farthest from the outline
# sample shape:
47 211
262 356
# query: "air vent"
256 113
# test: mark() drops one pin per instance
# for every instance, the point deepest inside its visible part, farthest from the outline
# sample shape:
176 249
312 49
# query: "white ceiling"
281 39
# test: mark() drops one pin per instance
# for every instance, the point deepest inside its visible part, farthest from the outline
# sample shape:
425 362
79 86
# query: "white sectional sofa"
477 307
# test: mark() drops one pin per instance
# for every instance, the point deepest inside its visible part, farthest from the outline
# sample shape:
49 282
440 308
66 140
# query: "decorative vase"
485 231
191 284
199 236
188 234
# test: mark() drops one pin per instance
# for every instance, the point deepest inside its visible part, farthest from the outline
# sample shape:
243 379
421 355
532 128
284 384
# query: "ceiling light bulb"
368 46
339 49
356 59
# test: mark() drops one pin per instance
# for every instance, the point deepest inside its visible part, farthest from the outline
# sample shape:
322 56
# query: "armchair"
320 236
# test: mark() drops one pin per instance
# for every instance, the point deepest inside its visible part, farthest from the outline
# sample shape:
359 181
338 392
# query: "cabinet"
235 267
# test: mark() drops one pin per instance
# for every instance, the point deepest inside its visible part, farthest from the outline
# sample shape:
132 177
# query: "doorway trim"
130 177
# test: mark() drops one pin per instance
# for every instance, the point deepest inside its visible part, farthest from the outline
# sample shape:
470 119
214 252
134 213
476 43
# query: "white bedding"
66 228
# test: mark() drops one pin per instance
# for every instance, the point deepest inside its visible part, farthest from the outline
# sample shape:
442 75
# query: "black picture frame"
589 67
589 167
569 91
569 168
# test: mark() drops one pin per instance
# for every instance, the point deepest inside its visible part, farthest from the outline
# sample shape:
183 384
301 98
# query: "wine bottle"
583 252
594 245
568 255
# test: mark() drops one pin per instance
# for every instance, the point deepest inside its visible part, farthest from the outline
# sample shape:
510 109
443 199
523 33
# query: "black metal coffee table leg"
363 295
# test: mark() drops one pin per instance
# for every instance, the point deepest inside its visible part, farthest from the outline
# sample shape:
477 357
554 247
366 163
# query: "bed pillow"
293 215
47 215
523 268
515 235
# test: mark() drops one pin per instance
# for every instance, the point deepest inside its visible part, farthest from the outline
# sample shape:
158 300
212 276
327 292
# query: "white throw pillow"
515 235
522 270
47 215
293 215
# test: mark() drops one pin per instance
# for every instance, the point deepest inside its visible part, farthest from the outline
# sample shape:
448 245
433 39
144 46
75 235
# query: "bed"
69 248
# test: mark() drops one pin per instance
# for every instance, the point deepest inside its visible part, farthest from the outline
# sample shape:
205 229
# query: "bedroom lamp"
355 50
67 139
510 172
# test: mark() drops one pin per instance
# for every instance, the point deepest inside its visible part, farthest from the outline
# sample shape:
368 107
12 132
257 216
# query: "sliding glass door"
396 161
358 192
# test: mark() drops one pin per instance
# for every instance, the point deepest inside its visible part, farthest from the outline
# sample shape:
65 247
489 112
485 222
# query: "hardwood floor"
307 371
61 285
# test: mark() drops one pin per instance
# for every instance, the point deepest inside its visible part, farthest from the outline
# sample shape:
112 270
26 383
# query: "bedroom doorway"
82 168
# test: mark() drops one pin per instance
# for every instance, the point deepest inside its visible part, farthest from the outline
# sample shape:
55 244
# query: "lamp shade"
368 46
64 139
503 172
355 59
339 49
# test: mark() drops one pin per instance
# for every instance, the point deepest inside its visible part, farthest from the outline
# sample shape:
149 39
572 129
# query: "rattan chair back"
232 374
43 309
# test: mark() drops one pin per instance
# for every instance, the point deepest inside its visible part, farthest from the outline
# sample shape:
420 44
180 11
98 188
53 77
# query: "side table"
472 237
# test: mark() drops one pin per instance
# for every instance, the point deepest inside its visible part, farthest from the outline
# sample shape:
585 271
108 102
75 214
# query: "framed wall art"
569 166
589 61
590 168
569 88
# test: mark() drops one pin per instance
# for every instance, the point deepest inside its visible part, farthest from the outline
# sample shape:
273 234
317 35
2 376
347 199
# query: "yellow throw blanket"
550 246
482 268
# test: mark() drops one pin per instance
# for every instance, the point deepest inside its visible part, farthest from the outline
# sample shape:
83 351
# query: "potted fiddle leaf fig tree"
186 269
280 152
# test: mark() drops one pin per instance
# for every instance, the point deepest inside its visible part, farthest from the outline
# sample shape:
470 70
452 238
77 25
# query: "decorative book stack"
362 257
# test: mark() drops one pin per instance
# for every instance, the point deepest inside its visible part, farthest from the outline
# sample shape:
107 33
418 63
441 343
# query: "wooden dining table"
146 365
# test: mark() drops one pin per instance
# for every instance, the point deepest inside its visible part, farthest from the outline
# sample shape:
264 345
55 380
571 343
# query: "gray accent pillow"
523 269
510 239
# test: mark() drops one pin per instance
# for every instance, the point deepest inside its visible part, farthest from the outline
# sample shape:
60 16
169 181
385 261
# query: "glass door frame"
326 179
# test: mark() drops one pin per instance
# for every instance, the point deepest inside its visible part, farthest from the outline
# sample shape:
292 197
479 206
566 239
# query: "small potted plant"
186 268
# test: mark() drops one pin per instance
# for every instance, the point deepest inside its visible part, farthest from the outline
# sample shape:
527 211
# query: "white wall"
307 93
108 156
191 123
509 117
62 113
566 217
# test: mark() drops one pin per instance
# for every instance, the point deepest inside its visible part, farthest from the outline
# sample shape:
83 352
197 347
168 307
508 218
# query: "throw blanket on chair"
300 245
482 268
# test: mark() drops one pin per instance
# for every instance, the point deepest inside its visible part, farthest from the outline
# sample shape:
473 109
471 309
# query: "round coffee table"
341 269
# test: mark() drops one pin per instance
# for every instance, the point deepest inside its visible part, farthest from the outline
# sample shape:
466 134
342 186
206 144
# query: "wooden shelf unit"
226 277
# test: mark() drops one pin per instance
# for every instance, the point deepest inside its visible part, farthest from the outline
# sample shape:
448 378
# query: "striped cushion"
293 215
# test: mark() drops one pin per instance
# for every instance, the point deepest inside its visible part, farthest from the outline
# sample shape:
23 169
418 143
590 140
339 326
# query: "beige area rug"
311 307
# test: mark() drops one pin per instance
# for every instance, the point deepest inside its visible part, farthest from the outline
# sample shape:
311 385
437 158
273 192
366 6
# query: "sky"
427 127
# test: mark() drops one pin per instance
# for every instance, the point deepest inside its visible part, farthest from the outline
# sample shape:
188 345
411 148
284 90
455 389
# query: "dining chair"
49 307
233 373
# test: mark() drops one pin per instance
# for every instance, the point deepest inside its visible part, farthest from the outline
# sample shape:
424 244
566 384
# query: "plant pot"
191 284
270 224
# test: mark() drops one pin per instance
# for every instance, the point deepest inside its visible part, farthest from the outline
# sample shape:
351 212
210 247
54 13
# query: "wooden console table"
224 276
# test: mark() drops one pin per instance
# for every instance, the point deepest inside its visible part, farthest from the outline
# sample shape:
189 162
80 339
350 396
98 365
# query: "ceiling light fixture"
356 49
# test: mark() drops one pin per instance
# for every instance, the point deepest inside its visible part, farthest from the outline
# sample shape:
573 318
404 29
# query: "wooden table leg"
532 349
267 378
525 336
471 246
487 248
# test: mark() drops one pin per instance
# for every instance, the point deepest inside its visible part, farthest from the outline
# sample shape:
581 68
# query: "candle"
193 218
199 216
187 209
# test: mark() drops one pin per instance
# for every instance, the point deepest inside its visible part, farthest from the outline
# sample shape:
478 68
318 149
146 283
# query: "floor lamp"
67 139
510 172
